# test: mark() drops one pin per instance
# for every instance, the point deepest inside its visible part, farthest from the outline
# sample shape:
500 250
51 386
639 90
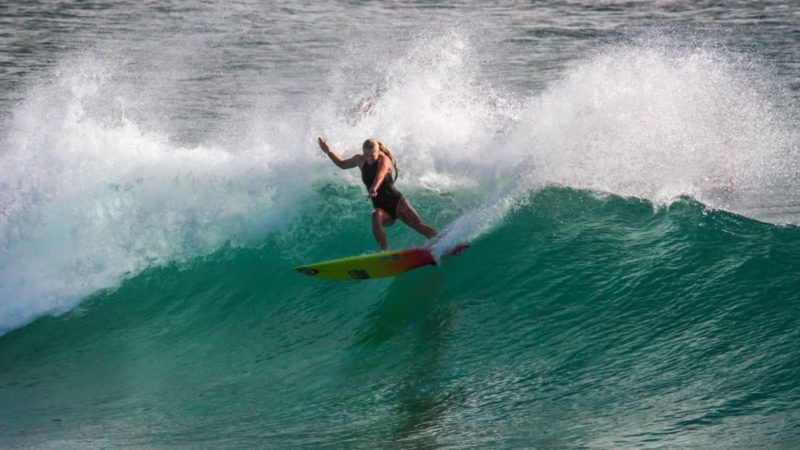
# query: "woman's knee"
380 216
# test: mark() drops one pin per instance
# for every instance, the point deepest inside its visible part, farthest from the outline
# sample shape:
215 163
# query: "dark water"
627 174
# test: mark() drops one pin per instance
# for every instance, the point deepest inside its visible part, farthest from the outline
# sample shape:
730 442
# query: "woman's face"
371 153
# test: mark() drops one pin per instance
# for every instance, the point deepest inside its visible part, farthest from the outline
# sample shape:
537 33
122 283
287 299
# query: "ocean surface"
627 174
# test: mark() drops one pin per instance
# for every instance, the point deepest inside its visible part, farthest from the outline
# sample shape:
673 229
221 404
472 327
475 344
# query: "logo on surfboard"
358 274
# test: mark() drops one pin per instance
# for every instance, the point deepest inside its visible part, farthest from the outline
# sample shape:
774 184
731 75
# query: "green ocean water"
577 321
627 174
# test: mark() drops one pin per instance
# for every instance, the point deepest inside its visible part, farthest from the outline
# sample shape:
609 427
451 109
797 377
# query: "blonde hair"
370 144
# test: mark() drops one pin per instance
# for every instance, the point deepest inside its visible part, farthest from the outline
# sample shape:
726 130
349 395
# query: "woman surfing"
377 164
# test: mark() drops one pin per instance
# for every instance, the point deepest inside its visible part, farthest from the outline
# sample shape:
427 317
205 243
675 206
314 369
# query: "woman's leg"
409 216
379 219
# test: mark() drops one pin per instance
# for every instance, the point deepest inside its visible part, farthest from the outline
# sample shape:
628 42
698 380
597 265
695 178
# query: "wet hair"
370 144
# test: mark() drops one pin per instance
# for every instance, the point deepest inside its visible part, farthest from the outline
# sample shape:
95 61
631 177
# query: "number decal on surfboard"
358 274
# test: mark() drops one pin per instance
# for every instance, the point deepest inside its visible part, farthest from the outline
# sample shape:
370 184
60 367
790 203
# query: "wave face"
578 321
628 178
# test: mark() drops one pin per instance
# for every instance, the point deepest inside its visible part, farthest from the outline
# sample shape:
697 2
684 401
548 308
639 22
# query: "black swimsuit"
388 196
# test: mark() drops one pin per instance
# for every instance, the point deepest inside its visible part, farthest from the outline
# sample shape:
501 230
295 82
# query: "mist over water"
158 163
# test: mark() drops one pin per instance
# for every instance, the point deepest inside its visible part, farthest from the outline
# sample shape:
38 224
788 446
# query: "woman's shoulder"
383 159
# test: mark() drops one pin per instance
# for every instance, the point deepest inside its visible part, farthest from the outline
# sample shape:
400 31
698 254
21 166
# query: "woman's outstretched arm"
348 163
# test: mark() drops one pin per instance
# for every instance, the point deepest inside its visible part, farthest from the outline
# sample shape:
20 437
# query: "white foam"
90 195
88 199
654 122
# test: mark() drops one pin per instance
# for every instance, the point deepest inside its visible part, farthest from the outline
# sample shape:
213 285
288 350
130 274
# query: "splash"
89 197
91 194
654 122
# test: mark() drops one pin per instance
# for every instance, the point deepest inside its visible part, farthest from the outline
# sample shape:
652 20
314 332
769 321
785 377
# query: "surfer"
376 163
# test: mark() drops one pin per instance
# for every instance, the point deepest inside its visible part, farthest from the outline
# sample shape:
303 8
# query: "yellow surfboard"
376 265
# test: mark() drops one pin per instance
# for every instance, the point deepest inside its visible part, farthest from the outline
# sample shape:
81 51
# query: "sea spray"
94 196
655 122
90 198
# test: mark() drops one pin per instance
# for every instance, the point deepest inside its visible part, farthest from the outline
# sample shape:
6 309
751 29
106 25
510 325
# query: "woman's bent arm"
383 170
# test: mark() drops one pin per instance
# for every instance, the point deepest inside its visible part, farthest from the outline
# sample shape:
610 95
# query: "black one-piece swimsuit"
388 196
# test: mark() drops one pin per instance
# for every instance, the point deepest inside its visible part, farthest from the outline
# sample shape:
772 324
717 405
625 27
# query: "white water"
657 123
90 196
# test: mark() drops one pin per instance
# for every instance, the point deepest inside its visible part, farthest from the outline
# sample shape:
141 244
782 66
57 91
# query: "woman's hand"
323 145
373 193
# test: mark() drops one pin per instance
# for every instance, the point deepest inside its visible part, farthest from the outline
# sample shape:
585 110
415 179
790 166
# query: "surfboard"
376 265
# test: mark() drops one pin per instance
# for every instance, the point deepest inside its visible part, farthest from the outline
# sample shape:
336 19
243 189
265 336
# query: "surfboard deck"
376 265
